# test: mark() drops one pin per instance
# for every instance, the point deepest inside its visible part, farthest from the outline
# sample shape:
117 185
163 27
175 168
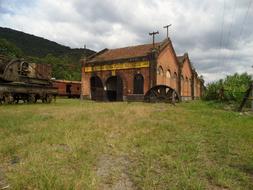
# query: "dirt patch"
112 173
3 183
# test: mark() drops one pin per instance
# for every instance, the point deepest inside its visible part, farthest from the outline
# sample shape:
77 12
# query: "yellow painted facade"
118 66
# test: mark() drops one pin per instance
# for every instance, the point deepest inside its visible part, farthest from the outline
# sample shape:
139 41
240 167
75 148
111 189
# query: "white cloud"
196 27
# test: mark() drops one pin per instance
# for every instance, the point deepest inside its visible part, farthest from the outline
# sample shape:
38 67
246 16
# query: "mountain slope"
38 47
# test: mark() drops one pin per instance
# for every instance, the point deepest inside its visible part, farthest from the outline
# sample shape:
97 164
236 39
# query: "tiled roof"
124 53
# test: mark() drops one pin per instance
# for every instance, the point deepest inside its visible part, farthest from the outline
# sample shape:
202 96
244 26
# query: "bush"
9 49
231 89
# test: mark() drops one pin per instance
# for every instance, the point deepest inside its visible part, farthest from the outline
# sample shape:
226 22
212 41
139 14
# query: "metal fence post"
252 96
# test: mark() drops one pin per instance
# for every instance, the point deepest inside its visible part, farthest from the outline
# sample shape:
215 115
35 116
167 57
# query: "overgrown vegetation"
86 145
65 61
9 49
230 90
63 67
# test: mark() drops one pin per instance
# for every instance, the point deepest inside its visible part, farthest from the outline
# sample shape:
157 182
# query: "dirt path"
112 173
3 184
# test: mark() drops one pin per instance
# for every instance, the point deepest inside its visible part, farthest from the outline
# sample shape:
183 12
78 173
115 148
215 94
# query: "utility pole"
167 27
153 34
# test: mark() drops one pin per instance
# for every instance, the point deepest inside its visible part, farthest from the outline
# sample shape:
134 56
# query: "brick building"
191 84
128 73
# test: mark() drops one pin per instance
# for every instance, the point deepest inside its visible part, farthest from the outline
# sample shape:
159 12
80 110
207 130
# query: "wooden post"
252 96
167 27
252 90
153 34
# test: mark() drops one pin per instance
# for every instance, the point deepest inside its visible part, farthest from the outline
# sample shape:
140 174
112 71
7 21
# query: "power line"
242 27
245 18
222 29
230 30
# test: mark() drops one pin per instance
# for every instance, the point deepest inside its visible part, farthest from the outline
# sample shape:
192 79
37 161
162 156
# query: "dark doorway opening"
114 88
138 84
68 88
96 88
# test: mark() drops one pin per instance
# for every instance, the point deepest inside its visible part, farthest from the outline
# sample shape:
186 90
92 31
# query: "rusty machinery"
28 82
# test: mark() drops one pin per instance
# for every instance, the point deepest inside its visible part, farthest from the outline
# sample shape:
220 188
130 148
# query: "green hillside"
65 61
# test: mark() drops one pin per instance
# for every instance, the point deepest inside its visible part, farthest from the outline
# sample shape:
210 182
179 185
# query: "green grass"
86 145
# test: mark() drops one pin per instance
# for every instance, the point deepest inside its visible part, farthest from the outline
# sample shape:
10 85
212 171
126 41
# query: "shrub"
231 89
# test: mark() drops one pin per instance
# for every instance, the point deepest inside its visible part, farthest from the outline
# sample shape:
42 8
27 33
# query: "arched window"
168 74
187 86
138 84
175 76
182 84
187 81
160 71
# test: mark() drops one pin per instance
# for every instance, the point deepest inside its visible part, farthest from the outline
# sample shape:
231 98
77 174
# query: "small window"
160 71
168 75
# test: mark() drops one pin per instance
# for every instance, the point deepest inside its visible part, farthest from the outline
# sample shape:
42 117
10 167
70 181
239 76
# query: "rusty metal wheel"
7 98
16 99
31 99
47 99
161 93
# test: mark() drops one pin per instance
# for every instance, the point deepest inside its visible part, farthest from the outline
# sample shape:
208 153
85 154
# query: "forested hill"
65 61
36 46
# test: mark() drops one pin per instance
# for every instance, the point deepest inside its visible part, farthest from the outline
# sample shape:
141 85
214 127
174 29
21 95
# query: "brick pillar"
85 82
152 69
193 85
179 81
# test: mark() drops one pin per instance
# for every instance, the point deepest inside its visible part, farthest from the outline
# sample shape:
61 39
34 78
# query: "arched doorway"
96 88
114 88
138 84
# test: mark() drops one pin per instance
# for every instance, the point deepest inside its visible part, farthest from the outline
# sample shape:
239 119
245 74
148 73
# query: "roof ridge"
141 50
133 46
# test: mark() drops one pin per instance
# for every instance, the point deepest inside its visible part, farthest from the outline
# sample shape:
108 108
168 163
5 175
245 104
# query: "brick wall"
167 69
127 76
187 76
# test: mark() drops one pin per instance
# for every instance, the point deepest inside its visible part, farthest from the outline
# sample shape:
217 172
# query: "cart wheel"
7 98
31 99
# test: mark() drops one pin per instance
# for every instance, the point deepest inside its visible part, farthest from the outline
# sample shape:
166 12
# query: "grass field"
74 145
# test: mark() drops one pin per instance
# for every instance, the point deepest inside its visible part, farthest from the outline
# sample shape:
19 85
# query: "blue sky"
217 34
